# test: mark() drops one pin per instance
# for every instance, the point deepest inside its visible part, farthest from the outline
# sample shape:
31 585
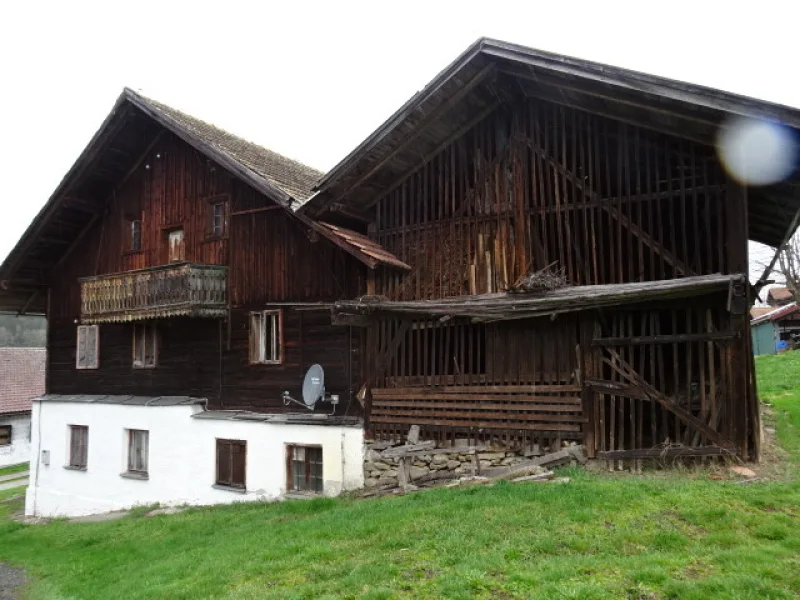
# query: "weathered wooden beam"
665 339
425 159
260 209
479 77
637 231
670 452
628 372
139 160
75 242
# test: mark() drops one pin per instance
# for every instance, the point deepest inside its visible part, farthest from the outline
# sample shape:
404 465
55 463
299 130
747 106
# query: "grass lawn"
673 535
14 469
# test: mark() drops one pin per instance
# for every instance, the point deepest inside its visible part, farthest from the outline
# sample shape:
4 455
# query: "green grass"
14 469
680 535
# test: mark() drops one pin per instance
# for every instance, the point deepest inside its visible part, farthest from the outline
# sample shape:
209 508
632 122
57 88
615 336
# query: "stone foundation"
446 461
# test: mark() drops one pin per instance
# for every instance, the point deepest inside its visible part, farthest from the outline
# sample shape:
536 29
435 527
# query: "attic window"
136 235
218 219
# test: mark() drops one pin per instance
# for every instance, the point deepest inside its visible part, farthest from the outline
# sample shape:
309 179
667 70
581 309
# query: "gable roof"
127 133
21 378
776 314
292 177
491 72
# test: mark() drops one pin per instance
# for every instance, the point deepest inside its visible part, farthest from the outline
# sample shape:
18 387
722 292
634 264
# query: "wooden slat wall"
513 382
536 184
696 374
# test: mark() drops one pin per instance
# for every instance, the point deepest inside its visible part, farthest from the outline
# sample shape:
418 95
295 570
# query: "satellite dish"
314 385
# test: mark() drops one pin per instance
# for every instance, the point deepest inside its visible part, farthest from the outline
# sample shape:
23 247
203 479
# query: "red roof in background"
21 378
777 313
780 293
760 311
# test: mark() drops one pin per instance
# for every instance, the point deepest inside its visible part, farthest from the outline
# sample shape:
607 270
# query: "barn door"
661 380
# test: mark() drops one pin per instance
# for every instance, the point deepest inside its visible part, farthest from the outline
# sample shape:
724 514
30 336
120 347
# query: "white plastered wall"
182 458
19 451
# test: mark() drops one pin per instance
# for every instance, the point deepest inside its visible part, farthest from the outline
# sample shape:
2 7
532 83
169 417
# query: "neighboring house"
21 379
779 296
774 330
190 277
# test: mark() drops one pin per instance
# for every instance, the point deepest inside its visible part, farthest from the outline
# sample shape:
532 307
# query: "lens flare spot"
757 152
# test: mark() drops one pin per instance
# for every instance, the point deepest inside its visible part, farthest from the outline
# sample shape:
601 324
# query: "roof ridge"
152 100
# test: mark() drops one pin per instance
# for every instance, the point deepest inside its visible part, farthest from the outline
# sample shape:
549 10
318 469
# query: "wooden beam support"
251 211
666 339
479 77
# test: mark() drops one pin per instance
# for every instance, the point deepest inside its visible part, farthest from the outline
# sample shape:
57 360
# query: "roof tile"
21 378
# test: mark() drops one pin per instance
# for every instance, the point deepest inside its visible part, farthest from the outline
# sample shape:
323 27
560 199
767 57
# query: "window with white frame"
78 446
145 346
138 443
88 346
266 337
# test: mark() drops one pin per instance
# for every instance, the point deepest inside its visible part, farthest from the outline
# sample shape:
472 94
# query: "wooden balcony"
175 290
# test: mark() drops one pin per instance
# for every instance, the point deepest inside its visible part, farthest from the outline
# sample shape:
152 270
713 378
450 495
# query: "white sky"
311 80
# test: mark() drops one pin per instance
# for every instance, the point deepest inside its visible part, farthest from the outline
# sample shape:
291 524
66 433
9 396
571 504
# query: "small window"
266 337
138 441
145 346
231 461
78 446
5 435
218 219
177 248
88 347
136 235
304 467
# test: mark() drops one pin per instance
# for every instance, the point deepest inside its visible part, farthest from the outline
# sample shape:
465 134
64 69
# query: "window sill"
229 488
135 475
73 468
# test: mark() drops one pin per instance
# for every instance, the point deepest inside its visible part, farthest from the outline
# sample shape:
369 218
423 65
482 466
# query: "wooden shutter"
88 343
238 463
231 463
79 445
223 462
256 337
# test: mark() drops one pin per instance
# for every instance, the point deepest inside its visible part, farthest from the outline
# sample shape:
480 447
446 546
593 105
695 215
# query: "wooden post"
736 255
588 396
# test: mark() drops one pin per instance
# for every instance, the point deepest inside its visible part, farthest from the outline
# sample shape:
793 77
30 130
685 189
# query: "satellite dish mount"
313 390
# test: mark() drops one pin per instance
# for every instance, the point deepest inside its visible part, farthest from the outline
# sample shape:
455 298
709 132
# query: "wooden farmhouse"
533 251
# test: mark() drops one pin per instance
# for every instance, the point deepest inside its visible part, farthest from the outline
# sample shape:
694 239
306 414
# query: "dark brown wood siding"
271 257
537 184
188 361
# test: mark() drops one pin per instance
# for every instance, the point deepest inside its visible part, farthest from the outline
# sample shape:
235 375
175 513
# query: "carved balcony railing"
179 289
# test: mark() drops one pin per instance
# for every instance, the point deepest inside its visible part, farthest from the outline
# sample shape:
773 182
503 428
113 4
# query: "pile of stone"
388 465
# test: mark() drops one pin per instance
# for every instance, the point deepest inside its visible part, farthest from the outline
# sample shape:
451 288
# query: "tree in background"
23 331
788 266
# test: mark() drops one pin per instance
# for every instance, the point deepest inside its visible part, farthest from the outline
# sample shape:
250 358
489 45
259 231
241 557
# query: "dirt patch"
11 580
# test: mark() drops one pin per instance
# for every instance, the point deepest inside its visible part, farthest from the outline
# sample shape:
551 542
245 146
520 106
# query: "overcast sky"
311 80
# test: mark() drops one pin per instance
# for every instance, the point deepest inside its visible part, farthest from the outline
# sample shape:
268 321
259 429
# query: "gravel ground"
10 580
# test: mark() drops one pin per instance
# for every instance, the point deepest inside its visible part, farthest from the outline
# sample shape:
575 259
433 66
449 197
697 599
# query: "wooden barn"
514 161
533 251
